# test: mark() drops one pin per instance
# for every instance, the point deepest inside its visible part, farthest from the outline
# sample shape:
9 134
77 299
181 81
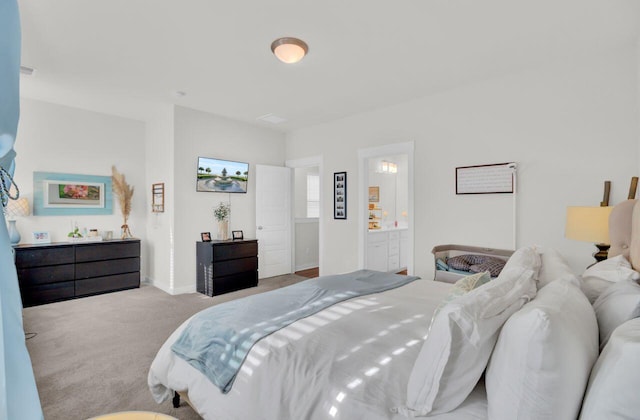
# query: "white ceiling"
363 54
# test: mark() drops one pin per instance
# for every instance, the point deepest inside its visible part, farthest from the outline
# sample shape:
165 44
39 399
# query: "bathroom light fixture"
387 167
289 50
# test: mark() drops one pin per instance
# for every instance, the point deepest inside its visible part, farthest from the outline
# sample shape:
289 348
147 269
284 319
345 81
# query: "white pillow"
600 276
554 267
540 366
462 336
619 303
614 383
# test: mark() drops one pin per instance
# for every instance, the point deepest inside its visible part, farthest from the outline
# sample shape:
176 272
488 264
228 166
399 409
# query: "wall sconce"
590 224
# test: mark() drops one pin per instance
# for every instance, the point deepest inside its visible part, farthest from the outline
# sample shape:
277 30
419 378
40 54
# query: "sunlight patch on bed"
333 411
384 360
340 396
329 315
412 343
366 302
290 334
253 360
247 370
303 327
275 342
383 333
354 384
381 308
317 321
399 351
372 371
355 349
352 305
339 309
394 326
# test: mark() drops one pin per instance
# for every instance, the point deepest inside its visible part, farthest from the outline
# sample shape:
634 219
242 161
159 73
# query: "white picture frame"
40 237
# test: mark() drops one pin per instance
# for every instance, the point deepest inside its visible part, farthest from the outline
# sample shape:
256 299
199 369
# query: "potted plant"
221 213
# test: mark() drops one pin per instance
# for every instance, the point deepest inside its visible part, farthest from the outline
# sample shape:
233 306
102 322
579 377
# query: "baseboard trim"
306 267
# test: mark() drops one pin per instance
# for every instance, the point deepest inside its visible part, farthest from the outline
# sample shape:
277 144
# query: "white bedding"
350 361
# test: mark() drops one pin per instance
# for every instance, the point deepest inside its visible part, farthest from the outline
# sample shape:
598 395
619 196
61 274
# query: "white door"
273 220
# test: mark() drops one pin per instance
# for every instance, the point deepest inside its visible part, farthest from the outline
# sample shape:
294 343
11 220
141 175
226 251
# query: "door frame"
312 161
364 155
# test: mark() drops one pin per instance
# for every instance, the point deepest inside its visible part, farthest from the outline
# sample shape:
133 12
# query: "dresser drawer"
43 275
107 284
37 295
106 251
226 268
44 256
235 282
222 252
106 268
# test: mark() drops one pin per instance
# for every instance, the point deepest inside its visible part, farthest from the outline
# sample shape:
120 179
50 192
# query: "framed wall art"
58 194
495 178
157 197
374 194
339 195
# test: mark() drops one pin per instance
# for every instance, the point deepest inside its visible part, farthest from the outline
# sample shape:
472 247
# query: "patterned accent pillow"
462 287
477 263
493 265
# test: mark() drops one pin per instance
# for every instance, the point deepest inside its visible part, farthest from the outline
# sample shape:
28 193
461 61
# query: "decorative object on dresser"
40 237
57 194
225 266
340 195
16 208
205 236
221 213
590 224
237 234
157 197
48 273
124 192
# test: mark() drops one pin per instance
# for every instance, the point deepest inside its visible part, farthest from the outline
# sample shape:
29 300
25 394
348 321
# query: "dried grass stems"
124 192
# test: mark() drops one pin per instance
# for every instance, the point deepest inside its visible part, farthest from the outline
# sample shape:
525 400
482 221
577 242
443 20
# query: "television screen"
217 175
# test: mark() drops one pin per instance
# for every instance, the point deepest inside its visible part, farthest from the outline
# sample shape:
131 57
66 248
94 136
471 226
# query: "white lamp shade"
19 207
589 224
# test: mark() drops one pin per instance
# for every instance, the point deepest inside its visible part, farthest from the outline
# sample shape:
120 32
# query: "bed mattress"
349 361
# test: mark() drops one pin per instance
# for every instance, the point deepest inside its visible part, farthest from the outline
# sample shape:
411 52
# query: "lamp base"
603 252
14 235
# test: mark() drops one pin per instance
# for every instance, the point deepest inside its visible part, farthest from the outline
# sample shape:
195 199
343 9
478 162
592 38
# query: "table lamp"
15 208
590 224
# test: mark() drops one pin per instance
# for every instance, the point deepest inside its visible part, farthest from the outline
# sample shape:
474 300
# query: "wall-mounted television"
217 175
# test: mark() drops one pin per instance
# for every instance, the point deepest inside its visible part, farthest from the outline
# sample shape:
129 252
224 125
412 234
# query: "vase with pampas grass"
124 192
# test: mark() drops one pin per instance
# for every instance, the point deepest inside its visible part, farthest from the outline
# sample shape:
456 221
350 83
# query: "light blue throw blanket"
217 340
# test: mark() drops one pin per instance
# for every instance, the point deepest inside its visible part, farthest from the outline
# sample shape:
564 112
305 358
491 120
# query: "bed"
367 357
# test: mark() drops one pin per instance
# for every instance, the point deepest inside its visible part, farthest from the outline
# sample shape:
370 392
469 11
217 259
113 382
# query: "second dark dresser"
226 266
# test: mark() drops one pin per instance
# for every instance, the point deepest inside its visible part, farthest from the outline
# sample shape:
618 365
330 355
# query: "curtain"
18 393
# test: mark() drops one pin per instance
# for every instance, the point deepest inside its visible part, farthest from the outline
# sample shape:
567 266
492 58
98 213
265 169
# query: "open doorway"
307 212
386 197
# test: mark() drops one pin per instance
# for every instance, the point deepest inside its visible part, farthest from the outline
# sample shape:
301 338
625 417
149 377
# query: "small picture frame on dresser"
205 236
237 234
40 237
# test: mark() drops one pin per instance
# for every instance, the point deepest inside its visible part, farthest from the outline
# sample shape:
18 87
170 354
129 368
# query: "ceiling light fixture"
289 50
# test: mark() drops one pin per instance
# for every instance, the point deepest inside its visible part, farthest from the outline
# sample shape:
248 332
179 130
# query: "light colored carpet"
91 356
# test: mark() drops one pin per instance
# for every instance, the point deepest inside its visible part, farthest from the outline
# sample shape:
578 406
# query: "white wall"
56 138
160 169
570 126
202 134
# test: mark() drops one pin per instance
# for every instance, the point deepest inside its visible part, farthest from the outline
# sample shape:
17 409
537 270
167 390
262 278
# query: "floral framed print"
340 195
56 194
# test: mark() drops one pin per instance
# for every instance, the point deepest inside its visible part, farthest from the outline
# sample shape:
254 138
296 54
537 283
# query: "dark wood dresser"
226 266
60 271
